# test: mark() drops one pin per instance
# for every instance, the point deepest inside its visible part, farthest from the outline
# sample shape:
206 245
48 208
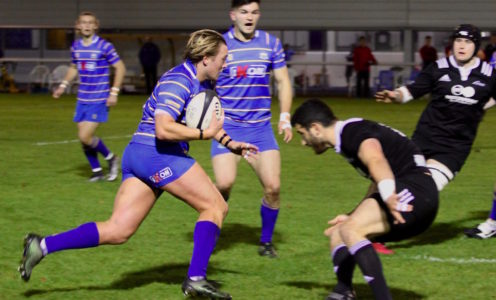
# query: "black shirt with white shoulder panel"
401 153
450 121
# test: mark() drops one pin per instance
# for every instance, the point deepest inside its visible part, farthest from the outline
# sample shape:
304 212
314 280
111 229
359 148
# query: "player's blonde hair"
203 43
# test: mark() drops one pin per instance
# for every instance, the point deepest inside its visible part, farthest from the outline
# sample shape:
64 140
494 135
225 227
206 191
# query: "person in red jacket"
427 52
362 59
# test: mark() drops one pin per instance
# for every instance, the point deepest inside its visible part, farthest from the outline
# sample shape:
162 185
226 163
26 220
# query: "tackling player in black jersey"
461 87
402 201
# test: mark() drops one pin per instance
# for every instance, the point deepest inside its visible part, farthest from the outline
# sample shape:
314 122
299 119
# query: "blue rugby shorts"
261 136
91 112
155 166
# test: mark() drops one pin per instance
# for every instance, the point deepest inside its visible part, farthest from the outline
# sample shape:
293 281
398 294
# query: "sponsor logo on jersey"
161 175
86 66
230 57
445 78
458 90
251 71
263 55
477 82
462 94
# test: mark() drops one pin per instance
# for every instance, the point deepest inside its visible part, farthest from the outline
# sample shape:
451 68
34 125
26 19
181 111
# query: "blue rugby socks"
84 236
269 218
205 238
492 214
100 147
92 157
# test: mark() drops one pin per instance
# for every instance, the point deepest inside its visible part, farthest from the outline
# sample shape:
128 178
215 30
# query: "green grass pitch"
44 189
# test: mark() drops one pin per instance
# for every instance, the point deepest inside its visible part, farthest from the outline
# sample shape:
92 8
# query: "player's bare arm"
71 74
372 156
120 71
285 94
168 129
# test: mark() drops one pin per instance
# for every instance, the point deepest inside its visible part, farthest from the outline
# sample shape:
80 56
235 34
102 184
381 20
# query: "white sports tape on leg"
441 175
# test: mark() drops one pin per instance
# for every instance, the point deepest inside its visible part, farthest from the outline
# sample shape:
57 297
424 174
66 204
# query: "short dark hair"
311 111
238 3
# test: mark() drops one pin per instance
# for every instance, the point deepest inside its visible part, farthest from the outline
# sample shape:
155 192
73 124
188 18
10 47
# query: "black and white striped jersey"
401 153
449 122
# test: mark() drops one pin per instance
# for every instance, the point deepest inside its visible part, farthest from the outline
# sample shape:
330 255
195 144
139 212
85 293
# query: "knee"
116 234
271 193
85 139
272 188
220 208
347 228
224 187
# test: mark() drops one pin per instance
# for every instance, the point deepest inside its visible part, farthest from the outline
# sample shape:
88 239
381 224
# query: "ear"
232 15
205 60
316 129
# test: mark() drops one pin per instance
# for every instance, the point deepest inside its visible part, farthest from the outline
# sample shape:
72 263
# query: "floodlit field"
44 189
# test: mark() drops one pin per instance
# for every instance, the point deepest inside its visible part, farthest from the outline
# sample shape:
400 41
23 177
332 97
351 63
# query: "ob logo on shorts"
161 175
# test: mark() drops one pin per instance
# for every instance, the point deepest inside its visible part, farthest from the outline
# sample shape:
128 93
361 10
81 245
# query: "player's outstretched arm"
71 74
490 103
386 96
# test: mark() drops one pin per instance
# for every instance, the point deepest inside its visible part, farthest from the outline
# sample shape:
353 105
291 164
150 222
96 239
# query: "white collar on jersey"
464 71
338 129
232 37
188 65
94 39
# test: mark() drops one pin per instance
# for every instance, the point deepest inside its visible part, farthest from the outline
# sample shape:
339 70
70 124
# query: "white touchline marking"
470 260
77 141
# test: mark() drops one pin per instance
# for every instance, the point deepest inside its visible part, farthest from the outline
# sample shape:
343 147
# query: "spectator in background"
362 59
349 68
427 52
149 57
491 47
6 81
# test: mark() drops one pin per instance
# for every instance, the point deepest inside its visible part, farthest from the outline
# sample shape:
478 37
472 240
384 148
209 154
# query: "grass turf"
44 189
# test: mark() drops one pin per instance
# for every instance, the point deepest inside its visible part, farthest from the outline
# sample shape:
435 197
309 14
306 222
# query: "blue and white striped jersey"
172 94
243 86
93 63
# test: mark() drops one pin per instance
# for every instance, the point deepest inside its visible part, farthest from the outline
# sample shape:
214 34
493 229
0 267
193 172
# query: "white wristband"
64 84
284 117
386 188
114 94
115 89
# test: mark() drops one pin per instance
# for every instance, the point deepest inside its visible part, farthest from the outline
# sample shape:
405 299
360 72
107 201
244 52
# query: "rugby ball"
200 107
